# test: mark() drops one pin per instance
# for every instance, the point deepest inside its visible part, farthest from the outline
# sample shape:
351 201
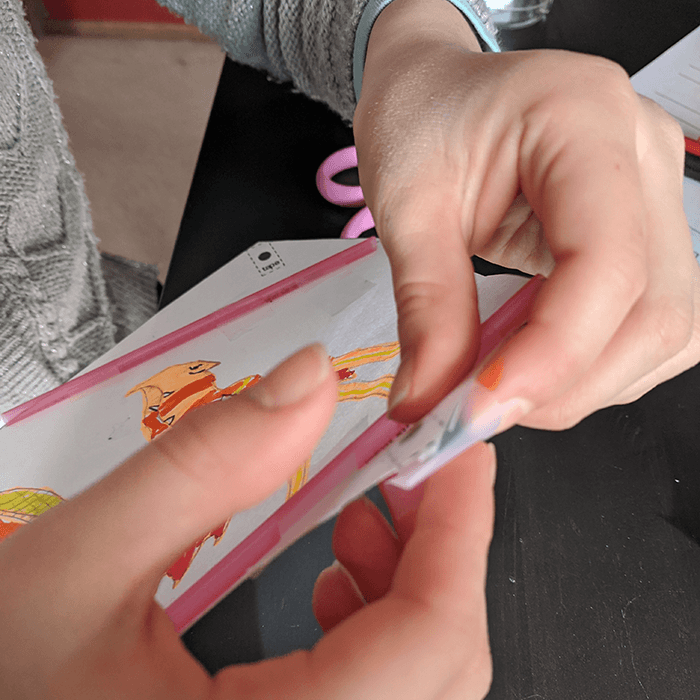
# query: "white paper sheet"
673 80
69 446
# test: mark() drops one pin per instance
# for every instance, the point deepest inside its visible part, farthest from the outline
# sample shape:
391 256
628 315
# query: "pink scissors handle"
344 195
335 193
360 222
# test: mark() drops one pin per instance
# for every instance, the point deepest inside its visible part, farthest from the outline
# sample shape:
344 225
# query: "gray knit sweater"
56 314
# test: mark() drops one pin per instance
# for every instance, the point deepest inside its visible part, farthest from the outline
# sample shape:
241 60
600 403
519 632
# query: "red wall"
109 10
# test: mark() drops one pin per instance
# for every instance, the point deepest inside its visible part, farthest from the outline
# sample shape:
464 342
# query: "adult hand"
76 586
545 161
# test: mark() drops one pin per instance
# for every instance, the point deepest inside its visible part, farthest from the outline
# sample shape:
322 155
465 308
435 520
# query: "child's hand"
77 614
542 160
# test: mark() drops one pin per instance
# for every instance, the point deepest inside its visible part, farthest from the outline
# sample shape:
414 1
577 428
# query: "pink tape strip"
219 580
187 333
214 585
509 317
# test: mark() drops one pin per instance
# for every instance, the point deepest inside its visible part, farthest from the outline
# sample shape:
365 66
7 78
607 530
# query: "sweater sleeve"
54 310
318 45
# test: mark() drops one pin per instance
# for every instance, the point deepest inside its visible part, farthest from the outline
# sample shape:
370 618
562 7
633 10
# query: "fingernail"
335 566
494 462
401 386
293 379
490 376
403 501
328 571
497 417
513 411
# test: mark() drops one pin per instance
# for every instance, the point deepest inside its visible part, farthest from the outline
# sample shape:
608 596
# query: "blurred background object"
135 86
126 18
518 14
36 15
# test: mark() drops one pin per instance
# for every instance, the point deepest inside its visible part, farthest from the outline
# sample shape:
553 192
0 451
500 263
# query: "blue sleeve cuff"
369 17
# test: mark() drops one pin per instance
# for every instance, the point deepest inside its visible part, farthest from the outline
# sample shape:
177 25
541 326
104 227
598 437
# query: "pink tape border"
509 317
222 577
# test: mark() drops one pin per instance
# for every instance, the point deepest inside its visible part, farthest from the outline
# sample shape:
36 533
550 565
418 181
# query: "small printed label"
265 258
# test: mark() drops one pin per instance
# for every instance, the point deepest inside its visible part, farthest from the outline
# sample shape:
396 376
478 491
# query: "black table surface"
594 571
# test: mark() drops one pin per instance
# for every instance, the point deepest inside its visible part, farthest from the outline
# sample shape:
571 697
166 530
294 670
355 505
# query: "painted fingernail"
488 415
293 379
491 375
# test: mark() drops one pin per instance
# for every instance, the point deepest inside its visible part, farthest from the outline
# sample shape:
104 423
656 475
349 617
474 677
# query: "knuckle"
562 412
674 131
477 669
613 72
562 415
414 298
610 78
672 323
673 137
668 125
601 90
568 364
671 129
664 131
189 448
628 275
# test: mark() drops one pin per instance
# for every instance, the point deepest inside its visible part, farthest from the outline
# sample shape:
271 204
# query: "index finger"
429 631
586 189
452 531
432 623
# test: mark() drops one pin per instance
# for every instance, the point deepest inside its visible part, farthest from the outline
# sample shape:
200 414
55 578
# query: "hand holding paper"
545 161
76 586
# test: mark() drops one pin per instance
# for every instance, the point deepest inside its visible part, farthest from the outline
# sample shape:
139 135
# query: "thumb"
436 302
118 537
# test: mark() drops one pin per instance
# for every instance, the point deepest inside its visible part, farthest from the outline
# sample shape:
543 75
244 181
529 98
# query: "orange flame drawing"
21 505
178 389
